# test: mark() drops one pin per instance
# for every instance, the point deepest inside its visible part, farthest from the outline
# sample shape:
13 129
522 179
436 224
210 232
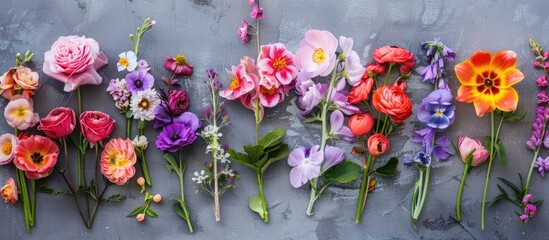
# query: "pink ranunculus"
74 60
59 123
277 61
316 53
467 145
96 126
242 82
118 160
19 113
270 92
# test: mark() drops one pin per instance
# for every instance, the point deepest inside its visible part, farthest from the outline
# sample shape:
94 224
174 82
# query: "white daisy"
128 60
143 103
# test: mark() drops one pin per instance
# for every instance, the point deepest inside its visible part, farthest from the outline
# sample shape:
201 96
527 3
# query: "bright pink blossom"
242 82
256 13
316 53
277 61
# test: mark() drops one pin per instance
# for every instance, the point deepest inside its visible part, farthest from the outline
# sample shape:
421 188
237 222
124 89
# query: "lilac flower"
524 218
332 156
441 149
139 80
542 98
178 134
339 99
337 128
530 209
118 90
256 13
421 158
537 128
423 136
142 64
437 110
542 165
542 81
309 97
437 53
306 164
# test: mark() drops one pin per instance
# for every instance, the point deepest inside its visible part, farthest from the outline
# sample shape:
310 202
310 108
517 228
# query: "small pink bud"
140 217
157 198
153 22
141 181
537 64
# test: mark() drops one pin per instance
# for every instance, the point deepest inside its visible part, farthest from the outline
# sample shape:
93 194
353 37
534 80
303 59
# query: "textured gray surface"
204 30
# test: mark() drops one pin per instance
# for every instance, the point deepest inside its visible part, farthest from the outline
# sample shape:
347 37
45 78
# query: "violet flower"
437 110
337 127
332 156
442 148
309 96
179 133
423 136
542 98
542 81
339 99
535 140
139 80
437 53
305 163
421 158
542 164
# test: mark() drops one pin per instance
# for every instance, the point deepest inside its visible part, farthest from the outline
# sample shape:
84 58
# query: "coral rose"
378 144
96 126
74 60
59 123
36 156
393 54
392 101
117 161
361 92
361 124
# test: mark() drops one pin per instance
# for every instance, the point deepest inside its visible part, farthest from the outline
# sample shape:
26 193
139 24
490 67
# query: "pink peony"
118 160
316 53
74 60
278 62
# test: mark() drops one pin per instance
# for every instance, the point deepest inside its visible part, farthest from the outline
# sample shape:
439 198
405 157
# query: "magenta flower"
178 65
316 53
337 127
542 81
270 91
242 83
242 32
306 164
530 209
178 101
332 156
527 198
542 98
251 2
256 13
275 60
524 218
542 164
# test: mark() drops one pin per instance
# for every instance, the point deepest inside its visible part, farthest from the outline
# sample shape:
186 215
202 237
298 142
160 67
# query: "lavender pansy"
139 80
337 127
441 149
305 163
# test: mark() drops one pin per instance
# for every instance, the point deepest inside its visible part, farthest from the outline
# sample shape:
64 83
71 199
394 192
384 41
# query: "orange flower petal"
465 72
481 59
484 103
510 77
467 94
507 99
503 60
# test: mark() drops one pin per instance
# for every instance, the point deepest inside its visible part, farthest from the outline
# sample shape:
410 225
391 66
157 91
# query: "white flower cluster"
228 171
211 135
199 178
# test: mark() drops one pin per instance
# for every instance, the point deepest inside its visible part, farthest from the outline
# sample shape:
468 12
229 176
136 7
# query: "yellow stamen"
235 83
279 63
268 91
319 56
6 149
180 59
144 103
123 61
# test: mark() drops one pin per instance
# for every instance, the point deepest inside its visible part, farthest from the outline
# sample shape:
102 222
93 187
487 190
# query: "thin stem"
257 113
95 165
313 197
128 128
262 195
217 211
257 32
423 195
144 168
182 168
388 73
33 201
325 106
92 216
22 183
527 186
64 142
365 183
461 185
73 193
492 156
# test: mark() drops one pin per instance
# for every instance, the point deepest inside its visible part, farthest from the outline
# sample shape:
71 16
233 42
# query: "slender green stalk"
128 128
313 196
461 185
257 32
181 173
425 179
89 223
262 195
363 195
527 186
257 114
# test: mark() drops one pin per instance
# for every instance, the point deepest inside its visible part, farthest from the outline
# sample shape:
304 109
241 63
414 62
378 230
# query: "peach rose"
20 78
118 160
9 191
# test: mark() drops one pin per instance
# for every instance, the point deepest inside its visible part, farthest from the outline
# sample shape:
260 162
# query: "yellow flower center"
279 63
21 112
6 149
235 83
118 161
123 61
319 56
180 59
144 104
439 113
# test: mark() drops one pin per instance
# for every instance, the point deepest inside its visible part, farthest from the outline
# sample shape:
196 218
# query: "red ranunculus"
392 54
361 91
378 144
96 125
361 124
375 68
392 101
59 123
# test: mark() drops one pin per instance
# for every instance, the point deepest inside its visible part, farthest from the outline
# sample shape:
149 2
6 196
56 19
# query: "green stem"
128 128
73 193
425 181
364 188
92 216
22 183
262 195
388 73
144 168
257 33
461 185
257 114
527 186
181 172
313 197
493 139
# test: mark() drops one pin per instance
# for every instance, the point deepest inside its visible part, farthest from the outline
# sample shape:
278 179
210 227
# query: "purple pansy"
178 134
139 80
305 163
337 127
420 158
441 149
437 110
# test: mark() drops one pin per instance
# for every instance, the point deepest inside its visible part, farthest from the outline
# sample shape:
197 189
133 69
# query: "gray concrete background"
204 30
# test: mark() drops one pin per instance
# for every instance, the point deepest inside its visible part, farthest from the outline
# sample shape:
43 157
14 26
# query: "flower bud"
157 198
378 144
141 181
467 145
140 217
361 124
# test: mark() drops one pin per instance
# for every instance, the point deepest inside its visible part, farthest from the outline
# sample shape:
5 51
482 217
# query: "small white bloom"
143 103
199 178
127 60
140 142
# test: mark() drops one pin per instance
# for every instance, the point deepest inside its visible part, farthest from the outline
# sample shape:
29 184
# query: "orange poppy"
487 81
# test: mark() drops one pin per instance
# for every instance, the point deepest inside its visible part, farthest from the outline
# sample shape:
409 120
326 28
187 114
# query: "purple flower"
309 97
423 136
179 133
340 101
542 81
542 165
162 116
542 98
332 156
242 32
441 149
139 80
421 158
305 163
530 209
436 53
211 74
142 64
527 198
437 110
256 13
537 128
337 128
524 218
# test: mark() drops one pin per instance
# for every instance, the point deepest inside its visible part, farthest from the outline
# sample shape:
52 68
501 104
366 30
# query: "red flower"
361 91
96 126
375 68
36 156
378 144
178 65
361 124
393 54
59 123
392 101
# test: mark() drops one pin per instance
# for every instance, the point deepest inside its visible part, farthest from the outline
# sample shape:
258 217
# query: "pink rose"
74 60
467 145
96 126
59 123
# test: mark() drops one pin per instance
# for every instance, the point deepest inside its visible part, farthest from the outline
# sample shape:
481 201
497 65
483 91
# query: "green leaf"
151 213
538 203
469 159
343 173
255 204
128 114
516 118
389 169
137 211
500 152
171 165
43 186
63 192
179 200
497 199
511 185
114 198
179 210
242 159
279 154
311 120
273 138
91 190
141 125
255 153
